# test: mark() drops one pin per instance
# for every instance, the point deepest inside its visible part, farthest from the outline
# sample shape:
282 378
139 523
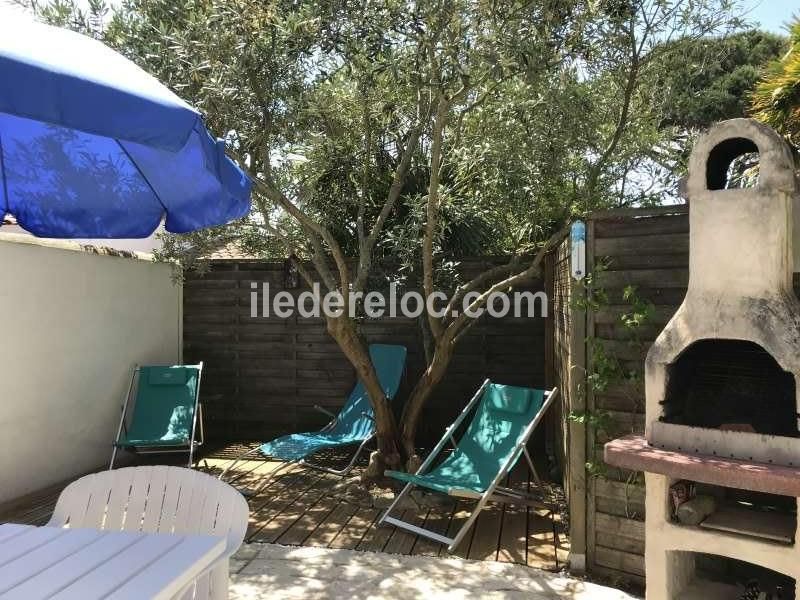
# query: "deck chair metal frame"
493 493
197 422
303 462
286 464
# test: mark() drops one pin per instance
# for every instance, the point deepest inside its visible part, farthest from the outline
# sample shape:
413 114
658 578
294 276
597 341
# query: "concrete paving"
287 572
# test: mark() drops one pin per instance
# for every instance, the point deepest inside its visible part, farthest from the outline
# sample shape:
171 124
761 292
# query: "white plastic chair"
160 499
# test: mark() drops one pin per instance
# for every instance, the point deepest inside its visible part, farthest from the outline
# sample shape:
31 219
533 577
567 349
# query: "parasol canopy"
92 146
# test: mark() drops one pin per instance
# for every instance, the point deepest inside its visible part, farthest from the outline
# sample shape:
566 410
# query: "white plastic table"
86 564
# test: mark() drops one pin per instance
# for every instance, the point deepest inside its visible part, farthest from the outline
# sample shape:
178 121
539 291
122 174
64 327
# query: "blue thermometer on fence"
577 236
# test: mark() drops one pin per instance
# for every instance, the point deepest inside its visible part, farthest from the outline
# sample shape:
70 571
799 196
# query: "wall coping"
70 246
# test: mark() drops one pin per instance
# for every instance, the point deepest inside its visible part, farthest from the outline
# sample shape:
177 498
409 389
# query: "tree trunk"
342 329
419 396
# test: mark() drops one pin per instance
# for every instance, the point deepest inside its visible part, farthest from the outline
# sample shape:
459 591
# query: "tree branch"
367 247
458 325
621 124
432 212
276 196
317 257
481 279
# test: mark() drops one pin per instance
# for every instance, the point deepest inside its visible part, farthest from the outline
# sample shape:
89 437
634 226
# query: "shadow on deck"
302 507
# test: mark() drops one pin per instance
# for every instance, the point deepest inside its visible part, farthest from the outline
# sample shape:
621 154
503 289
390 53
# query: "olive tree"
401 130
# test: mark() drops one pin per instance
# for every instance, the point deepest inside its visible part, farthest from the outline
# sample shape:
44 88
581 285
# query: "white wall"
72 326
148 244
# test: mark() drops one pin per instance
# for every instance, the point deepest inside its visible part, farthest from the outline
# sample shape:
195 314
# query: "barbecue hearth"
732 385
721 379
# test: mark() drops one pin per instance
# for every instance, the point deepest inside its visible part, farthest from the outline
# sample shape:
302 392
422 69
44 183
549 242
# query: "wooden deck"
302 507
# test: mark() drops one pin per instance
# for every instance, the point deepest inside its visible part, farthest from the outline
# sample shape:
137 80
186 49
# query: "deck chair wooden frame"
493 493
197 435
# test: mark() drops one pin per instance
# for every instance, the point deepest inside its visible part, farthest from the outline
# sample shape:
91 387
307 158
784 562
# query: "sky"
766 14
771 14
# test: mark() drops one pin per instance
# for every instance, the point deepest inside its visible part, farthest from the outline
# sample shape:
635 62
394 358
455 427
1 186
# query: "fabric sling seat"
355 423
504 419
164 415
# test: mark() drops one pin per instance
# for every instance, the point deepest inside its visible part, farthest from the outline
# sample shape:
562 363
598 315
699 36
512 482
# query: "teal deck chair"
165 413
504 419
353 426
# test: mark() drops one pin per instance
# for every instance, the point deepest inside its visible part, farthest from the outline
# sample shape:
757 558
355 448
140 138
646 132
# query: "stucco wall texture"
73 323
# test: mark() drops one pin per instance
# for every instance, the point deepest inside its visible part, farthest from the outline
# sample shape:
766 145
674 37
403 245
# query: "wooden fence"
604 328
263 375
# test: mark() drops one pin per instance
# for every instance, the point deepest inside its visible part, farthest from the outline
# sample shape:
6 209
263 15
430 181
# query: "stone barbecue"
721 451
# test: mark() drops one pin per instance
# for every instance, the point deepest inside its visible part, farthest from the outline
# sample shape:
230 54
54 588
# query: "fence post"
577 405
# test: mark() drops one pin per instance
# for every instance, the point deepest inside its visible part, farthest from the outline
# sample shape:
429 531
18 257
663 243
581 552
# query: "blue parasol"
91 146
